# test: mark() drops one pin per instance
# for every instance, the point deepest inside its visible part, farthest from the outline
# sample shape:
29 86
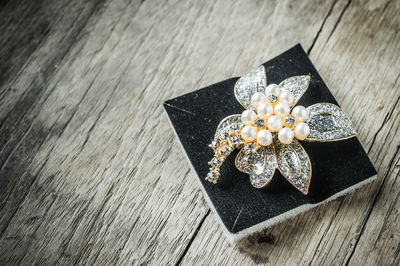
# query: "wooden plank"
92 188
35 38
328 234
22 97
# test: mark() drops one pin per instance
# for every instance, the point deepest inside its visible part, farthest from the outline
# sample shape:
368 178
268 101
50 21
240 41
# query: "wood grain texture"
90 169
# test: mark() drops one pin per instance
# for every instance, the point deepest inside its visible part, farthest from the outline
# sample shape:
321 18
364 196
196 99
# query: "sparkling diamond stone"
243 164
224 135
272 98
212 176
215 162
290 120
235 127
259 122
233 141
224 151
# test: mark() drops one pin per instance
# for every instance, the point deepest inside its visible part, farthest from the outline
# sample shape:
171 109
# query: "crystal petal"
328 122
294 164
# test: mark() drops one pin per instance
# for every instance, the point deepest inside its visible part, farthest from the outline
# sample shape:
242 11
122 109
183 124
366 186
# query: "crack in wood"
196 231
339 19
387 118
371 207
321 28
385 219
327 230
37 227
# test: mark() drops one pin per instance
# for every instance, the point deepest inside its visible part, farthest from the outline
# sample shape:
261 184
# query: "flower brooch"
268 130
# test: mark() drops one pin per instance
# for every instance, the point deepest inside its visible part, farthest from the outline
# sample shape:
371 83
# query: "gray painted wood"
91 172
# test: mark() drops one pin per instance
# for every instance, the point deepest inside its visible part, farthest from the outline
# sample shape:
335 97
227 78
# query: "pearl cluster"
271 114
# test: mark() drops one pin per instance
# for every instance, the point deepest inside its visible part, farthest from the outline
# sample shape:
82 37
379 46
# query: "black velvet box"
337 167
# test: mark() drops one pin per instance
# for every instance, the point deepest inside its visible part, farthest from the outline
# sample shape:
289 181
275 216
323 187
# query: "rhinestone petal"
294 164
328 122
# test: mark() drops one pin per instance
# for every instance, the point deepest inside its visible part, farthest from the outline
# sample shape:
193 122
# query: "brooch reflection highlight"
268 130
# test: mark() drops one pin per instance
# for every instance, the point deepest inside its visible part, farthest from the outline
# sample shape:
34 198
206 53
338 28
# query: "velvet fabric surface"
336 166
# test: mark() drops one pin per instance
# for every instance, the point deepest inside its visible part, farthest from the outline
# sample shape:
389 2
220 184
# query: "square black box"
337 167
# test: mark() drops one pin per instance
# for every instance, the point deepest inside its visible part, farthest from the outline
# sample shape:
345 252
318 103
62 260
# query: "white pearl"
273 89
288 97
300 113
282 109
264 110
248 116
302 130
285 135
256 99
249 133
264 137
274 123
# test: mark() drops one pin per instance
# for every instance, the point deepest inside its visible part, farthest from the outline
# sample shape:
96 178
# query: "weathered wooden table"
91 172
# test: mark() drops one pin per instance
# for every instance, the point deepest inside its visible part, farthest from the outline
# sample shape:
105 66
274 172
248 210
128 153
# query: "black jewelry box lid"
337 167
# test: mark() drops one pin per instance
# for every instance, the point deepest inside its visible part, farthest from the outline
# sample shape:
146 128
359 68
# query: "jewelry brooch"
268 130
